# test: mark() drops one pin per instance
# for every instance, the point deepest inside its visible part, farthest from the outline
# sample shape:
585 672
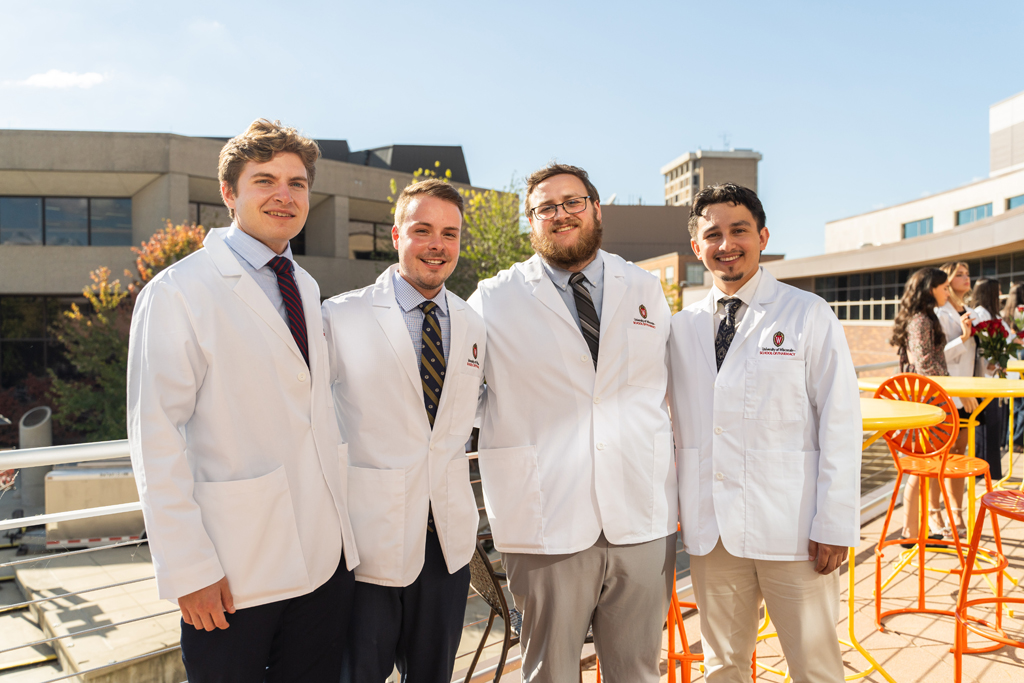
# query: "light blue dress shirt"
255 259
594 274
409 300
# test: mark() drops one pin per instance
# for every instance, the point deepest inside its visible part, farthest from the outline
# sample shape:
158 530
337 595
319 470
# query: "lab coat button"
719 476
583 359
718 430
597 399
600 446
302 377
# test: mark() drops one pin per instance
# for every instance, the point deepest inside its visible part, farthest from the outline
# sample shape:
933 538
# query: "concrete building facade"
687 175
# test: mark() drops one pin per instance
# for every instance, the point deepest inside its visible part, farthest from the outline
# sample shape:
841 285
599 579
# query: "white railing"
876 366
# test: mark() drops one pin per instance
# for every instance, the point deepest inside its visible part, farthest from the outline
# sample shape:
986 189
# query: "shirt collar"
746 293
594 272
408 298
251 249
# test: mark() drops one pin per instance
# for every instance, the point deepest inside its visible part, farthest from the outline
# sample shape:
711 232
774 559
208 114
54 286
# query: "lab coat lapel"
247 290
614 290
704 324
457 340
389 317
544 290
751 323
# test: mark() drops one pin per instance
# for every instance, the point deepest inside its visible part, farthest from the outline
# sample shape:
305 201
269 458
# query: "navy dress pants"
416 628
289 640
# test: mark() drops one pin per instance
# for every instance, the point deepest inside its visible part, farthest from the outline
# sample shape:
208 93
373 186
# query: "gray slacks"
623 589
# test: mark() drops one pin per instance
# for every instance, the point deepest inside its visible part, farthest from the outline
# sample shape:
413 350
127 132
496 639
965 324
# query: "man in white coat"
575 442
406 357
237 456
766 415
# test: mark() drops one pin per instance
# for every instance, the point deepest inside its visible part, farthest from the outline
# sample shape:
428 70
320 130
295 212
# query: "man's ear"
762 235
696 248
227 194
394 236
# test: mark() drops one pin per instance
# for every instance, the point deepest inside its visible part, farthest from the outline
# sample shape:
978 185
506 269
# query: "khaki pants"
803 605
623 589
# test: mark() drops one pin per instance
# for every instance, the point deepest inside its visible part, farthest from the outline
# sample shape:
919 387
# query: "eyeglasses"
549 211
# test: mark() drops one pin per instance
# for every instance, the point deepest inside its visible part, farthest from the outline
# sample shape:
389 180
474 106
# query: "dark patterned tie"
292 303
727 330
431 360
590 324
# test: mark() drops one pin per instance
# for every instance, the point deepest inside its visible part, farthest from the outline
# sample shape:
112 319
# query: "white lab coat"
398 466
566 452
237 456
768 448
960 355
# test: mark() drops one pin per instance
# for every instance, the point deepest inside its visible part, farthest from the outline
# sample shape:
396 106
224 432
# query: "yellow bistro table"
985 389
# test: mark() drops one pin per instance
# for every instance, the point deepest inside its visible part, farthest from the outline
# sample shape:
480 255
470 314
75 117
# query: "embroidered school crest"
643 311
779 338
474 350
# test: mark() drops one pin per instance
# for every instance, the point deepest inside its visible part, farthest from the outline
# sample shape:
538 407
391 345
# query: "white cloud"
55 78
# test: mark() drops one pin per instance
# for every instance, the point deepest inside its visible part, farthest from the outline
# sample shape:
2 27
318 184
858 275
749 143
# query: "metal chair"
924 452
486 582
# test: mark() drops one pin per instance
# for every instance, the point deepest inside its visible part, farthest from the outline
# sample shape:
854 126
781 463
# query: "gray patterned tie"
590 324
727 330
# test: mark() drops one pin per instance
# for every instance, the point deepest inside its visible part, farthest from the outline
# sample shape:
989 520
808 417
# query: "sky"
854 106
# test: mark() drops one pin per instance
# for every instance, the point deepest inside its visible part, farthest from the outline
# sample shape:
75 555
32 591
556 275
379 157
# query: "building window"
1014 202
66 221
656 272
975 213
670 275
917 228
208 215
695 274
27 345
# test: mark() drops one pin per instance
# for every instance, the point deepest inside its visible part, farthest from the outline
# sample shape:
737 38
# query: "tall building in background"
1006 136
692 172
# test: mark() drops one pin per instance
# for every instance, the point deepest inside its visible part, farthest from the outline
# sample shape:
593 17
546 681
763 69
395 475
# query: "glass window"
21 220
670 275
917 228
110 222
656 273
20 359
67 221
975 213
1014 202
22 317
695 274
213 216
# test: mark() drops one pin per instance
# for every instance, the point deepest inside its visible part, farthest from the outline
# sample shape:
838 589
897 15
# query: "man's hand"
205 608
827 558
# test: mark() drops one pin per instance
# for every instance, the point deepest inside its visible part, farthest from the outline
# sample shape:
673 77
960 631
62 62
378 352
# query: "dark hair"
553 169
918 298
986 295
1014 299
726 193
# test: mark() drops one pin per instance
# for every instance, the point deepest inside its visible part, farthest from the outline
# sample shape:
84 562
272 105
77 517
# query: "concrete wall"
641 232
1006 135
886 225
739 171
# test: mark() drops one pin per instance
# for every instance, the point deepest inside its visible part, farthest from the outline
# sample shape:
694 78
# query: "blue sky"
854 106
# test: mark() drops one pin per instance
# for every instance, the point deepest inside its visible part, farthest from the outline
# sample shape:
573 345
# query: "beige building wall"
885 226
687 175
1006 135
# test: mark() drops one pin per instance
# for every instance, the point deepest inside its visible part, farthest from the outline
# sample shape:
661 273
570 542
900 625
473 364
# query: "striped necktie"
292 303
590 324
727 329
431 360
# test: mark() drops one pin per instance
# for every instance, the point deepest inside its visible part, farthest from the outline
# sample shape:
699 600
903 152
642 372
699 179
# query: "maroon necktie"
292 303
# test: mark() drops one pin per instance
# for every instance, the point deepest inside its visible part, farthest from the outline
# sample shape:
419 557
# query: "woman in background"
985 299
1013 300
918 336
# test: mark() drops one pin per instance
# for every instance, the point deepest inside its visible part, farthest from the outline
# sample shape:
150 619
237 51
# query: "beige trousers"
803 605
623 589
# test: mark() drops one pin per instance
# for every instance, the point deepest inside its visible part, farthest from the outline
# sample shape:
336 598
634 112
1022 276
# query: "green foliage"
96 345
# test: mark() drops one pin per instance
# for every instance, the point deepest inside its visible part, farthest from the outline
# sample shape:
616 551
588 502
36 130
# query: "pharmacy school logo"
474 350
779 338
643 311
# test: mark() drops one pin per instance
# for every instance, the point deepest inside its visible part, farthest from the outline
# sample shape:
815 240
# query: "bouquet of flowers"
1018 318
996 344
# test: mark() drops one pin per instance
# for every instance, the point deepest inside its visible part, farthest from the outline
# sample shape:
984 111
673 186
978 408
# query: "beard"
568 257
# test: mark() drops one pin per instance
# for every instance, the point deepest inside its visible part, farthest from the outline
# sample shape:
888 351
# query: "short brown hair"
431 187
726 193
260 142
553 169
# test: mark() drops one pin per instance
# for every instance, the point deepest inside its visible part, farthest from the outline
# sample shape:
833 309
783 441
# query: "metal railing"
876 366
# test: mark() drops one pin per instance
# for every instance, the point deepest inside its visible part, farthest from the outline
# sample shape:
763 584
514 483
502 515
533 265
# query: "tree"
674 296
93 401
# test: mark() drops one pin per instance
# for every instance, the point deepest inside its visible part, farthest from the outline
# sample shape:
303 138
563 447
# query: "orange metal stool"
924 452
675 626
1008 503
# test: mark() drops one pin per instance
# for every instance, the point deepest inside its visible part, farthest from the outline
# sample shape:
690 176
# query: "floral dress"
923 355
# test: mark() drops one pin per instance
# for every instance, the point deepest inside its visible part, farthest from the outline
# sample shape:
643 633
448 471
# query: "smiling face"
428 243
729 244
569 241
271 200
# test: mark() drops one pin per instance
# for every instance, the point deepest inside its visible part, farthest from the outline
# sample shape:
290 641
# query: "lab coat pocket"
462 517
511 482
463 409
665 484
776 389
376 506
246 519
646 358
781 499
